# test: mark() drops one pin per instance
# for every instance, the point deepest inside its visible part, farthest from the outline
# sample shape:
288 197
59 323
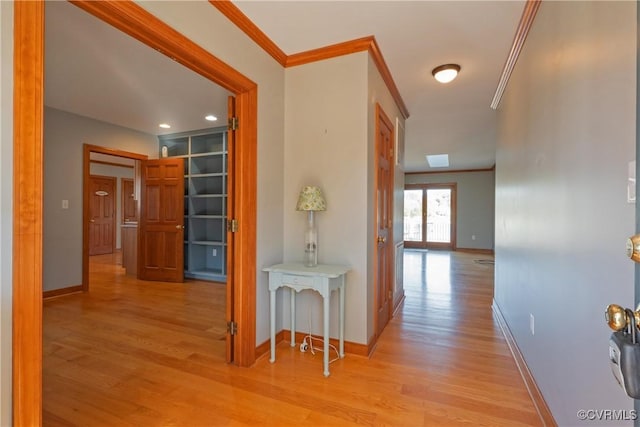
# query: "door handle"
179 227
92 220
617 318
382 239
633 248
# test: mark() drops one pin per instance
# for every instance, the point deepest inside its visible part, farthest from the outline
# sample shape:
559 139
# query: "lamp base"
311 242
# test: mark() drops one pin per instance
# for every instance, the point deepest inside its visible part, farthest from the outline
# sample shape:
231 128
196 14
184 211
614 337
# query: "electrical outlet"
214 252
65 204
532 324
473 237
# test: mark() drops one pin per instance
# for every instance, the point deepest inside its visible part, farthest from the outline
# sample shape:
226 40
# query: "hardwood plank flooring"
134 353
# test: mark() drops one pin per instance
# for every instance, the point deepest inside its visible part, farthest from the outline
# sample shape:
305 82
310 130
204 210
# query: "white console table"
323 279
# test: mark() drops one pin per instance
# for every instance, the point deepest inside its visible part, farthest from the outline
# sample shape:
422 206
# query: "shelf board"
207 175
214 275
202 196
209 154
208 243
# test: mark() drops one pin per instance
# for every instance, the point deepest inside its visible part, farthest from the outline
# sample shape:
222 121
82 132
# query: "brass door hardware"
633 248
617 318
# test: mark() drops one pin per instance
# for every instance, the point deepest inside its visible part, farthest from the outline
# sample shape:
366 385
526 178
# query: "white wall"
207 27
566 135
6 206
326 145
475 205
64 135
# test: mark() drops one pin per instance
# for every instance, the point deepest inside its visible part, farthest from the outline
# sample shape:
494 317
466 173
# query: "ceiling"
93 70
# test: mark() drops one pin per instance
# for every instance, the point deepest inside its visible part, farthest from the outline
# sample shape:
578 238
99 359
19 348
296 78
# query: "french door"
430 216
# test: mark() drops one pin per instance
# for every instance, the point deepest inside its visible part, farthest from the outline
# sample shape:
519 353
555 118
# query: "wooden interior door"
231 144
102 217
129 205
384 220
161 224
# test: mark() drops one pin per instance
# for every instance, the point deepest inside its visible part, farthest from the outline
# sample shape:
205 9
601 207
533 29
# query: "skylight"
438 160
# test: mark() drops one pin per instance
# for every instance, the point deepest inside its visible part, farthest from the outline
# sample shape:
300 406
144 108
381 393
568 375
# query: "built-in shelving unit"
205 199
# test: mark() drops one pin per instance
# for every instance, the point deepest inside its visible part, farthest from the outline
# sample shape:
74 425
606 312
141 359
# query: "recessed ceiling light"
165 125
438 160
446 73
211 118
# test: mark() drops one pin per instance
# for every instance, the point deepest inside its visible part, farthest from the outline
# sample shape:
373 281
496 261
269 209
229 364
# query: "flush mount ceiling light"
446 73
165 125
211 118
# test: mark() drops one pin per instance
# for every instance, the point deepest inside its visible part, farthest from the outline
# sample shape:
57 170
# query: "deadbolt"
633 248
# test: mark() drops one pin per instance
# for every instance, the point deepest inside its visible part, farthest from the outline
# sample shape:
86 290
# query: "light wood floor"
133 353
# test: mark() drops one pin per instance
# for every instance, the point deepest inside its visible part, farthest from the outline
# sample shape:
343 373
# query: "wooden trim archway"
28 182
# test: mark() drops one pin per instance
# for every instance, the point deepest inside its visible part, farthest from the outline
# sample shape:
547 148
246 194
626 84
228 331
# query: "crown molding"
526 20
241 20
369 44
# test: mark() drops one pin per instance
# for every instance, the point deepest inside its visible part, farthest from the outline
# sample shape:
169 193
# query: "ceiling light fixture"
165 125
446 73
211 118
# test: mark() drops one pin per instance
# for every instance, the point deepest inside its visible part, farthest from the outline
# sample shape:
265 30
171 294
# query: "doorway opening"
430 216
28 186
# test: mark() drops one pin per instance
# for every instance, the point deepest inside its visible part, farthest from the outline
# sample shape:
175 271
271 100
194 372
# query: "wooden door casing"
384 221
129 203
161 226
102 222
230 214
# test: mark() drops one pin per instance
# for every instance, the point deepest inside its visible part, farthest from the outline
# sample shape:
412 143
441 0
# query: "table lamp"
311 200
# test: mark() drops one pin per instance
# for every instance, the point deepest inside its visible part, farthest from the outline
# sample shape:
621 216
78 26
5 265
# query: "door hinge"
232 225
233 123
232 328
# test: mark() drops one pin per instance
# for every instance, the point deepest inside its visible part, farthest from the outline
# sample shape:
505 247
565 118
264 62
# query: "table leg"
326 334
293 317
272 324
341 316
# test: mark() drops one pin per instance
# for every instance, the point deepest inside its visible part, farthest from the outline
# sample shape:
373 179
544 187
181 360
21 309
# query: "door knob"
92 220
617 318
382 239
633 248
179 227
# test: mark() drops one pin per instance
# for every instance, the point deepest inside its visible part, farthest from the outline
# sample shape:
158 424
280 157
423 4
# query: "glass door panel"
413 213
438 215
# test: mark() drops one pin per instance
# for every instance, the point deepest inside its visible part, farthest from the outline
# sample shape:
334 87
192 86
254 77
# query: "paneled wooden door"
161 224
384 220
102 219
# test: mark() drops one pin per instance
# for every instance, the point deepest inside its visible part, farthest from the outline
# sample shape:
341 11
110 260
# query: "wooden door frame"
454 215
28 74
115 208
123 199
87 149
382 116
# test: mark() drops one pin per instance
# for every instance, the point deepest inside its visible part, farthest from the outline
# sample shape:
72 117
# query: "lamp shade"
311 199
